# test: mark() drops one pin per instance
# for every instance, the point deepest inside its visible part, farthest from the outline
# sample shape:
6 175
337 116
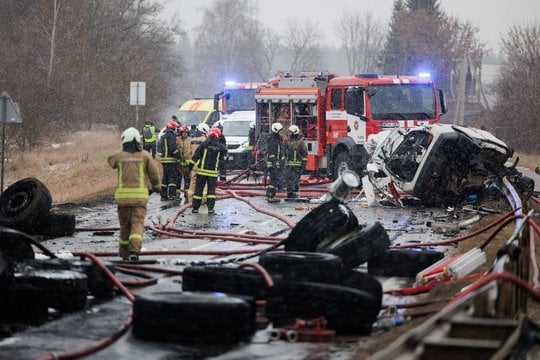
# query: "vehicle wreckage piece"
402 262
440 164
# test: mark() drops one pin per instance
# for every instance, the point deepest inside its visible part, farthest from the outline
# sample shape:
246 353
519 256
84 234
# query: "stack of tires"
26 205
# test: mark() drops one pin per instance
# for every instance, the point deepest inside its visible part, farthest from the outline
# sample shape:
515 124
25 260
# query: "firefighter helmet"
295 130
204 128
184 128
215 133
173 124
131 134
252 124
276 127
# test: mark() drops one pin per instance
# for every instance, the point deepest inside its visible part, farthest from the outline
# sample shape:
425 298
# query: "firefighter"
183 144
202 129
136 168
295 161
223 141
168 157
149 137
274 162
208 158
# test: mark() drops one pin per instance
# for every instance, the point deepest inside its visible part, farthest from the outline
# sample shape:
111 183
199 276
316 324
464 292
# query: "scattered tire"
401 262
15 245
238 281
361 281
359 245
301 266
323 224
99 284
56 225
65 290
24 204
347 310
192 317
25 303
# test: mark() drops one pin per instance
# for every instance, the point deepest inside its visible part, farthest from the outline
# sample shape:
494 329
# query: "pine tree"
393 50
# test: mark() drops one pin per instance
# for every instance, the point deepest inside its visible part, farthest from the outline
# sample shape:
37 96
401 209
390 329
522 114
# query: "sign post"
9 113
137 96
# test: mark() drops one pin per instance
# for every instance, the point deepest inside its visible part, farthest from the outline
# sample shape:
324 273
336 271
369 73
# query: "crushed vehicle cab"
440 164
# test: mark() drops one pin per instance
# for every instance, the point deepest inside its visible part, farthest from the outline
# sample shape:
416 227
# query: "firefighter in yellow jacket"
196 141
183 144
136 168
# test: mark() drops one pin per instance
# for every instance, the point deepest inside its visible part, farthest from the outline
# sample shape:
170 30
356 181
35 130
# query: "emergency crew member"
208 158
223 141
202 130
135 169
183 144
169 154
295 161
149 137
274 162
251 145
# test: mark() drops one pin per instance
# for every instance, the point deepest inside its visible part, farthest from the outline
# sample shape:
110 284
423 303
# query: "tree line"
69 63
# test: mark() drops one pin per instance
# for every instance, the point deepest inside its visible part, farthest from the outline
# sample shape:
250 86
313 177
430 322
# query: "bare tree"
362 40
302 43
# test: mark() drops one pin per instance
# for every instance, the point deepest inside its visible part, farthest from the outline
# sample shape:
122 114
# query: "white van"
236 132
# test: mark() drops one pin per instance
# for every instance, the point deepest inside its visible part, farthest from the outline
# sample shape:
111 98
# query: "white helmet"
252 124
204 128
295 130
131 134
276 127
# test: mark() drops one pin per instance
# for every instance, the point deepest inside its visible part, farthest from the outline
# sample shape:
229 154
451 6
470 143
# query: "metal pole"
137 109
4 118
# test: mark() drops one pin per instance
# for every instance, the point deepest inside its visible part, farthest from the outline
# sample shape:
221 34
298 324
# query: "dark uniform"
295 162
208 159
169 154
274 165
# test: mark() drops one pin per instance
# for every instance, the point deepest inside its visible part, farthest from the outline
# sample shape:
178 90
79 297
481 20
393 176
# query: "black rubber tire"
99 284
301 266
6 275
238 281
65 290
359 245
347 310
25 303
402 262
15 245
192 317
24 204
325 223
56 225
362 281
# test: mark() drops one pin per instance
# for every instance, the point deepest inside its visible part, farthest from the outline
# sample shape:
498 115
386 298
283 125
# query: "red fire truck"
337 114
238 96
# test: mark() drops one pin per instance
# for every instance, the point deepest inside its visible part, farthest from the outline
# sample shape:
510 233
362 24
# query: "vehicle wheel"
15 245
359 245
361 281
342 162
56 225
25 303
65 290
238 281
325 223
401 262
347 310
192 317
24 204
301 266
99 285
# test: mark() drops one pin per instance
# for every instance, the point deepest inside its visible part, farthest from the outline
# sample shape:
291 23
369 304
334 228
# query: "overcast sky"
492 17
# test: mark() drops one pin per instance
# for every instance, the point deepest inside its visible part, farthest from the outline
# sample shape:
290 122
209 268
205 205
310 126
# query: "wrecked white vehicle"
441 164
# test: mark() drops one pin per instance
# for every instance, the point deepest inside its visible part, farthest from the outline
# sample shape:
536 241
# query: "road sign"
137 95
9 111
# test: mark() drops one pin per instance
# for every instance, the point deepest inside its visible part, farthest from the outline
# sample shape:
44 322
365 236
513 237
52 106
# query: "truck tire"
323 224
15 245
342 162
402 262
192 317
24 204
359 245
347 310
56 225
65 290
237 281
301 266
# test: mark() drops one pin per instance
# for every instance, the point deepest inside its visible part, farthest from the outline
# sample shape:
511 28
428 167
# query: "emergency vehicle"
196 111
238 96
337 114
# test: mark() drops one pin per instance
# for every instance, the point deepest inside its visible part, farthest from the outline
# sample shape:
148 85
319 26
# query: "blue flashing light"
424 75
230 83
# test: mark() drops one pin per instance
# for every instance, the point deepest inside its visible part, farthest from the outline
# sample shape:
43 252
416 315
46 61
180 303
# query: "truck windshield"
235 128
402 101
191 117
240 99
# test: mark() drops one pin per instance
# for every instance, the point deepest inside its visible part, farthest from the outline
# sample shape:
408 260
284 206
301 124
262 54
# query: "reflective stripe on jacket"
209 157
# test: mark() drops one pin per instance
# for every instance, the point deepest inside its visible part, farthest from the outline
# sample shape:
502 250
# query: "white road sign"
137 94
